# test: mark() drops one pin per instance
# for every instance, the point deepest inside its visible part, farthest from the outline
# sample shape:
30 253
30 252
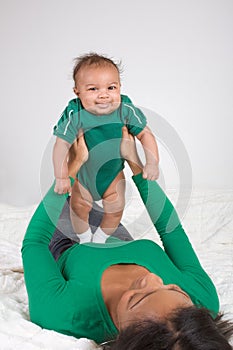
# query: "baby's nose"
103 94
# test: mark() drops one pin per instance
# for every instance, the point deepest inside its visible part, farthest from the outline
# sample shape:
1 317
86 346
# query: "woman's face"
148 296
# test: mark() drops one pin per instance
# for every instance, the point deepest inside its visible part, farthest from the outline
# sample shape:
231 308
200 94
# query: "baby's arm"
60 153
151 168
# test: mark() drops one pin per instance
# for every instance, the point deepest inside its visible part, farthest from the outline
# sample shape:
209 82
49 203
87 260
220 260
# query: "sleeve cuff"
138 179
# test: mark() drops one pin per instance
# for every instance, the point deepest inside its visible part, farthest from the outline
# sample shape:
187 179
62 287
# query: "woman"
135 292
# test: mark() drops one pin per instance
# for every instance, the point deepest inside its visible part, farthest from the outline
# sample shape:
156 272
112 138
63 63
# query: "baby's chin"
104 108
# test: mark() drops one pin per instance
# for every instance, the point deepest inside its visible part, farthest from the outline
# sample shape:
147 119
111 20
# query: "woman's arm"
160 209
40 268
46 286
166 221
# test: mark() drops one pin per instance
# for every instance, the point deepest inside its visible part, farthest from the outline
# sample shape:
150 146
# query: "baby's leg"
113 204
81 204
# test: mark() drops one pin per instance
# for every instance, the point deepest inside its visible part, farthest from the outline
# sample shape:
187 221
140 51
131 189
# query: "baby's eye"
92 89
112 87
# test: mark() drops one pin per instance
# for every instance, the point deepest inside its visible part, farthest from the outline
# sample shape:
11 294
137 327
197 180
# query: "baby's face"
99 89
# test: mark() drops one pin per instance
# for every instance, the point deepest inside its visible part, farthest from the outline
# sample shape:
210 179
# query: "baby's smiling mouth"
103 103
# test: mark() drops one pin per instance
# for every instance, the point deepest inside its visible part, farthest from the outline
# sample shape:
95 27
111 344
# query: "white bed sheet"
208 221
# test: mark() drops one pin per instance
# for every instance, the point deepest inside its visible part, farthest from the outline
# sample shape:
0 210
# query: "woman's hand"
78 155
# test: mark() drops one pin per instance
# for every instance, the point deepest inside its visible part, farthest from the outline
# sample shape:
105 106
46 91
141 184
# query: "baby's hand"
150 171
62 186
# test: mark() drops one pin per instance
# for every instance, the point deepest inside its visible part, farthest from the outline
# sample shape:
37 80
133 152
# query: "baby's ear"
76 91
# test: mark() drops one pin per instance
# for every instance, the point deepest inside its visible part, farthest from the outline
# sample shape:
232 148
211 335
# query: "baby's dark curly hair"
93 59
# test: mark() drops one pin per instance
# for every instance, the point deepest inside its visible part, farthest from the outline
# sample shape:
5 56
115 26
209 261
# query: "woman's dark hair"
93 59
186 329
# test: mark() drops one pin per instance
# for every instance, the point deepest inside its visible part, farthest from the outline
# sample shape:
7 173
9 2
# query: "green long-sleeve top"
65 296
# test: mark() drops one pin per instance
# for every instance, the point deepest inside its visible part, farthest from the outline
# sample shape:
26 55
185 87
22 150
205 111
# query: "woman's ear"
76 91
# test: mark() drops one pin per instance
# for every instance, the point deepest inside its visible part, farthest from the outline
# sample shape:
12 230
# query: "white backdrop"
178 62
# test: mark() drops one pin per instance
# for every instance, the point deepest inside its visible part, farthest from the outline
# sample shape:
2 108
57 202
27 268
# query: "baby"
99 112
